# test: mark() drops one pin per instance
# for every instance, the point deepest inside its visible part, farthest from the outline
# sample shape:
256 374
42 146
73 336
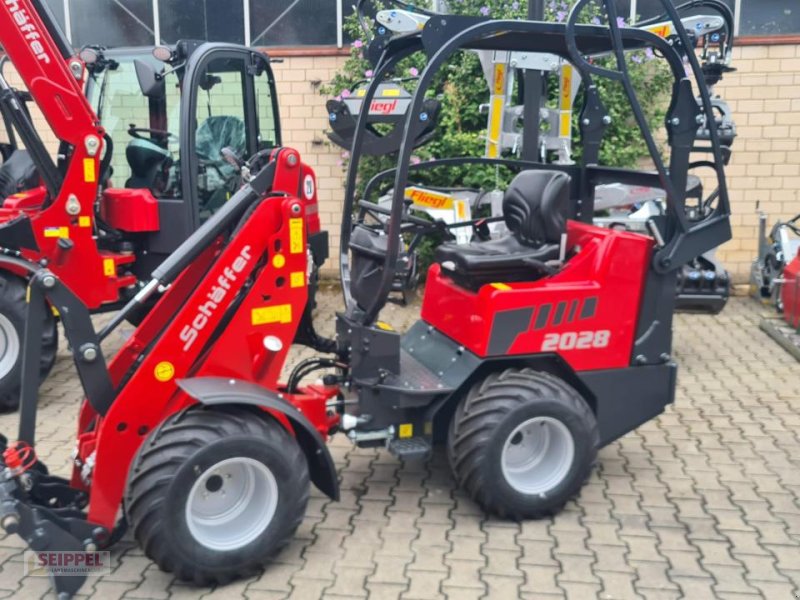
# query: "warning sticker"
164 371
88 170
280 313
56 232
296 236
109 268
406 430
297 279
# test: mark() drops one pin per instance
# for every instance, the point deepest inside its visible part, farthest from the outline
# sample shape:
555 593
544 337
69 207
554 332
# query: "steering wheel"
158 134
409 223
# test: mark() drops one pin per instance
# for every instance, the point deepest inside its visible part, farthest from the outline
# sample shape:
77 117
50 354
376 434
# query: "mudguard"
212 391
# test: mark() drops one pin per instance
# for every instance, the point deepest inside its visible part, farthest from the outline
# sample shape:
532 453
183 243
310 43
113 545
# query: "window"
118 101
221 124
293 22
647 9
769 17
111 22
265 107
212 20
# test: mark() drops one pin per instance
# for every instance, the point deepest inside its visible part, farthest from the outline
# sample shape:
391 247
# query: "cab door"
223 98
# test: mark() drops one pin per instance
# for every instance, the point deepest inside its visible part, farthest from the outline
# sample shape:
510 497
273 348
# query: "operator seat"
17 173
535 207
216 133
149 163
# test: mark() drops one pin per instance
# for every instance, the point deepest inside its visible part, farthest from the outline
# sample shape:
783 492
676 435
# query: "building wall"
764 94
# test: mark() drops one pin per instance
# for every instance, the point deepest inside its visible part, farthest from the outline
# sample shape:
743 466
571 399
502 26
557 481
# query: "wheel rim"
9 346
232 503
537 455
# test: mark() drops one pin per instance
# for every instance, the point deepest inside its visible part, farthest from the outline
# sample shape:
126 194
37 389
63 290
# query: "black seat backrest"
536 205
17 173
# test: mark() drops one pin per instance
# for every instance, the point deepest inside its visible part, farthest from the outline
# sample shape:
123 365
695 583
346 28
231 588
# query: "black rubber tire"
13 305
490 412
176 454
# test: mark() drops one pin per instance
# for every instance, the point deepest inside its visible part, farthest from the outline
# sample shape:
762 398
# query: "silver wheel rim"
231 503
537 455
9 346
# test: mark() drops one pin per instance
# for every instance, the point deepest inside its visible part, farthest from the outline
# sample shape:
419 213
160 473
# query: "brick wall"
303 124
764 94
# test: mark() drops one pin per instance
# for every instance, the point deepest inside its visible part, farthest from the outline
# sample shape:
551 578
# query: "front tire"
13 312
522 442
214 494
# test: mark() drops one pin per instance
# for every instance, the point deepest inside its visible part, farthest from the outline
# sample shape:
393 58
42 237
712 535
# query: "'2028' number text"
576 340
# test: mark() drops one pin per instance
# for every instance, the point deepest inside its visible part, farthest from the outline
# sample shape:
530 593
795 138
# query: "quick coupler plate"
62 527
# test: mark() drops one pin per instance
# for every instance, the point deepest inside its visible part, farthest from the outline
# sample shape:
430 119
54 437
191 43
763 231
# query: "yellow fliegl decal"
296 236
297 279
109 268
566 87
429 198
499 79
84 221
88 170
280 313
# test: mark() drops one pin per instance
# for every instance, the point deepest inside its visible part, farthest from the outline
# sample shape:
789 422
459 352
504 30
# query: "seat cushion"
503 260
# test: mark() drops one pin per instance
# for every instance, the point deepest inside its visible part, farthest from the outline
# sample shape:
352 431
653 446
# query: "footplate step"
415 448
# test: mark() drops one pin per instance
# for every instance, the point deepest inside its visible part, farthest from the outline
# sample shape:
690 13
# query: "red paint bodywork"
272 306
617 284
790 293
84 268
131 210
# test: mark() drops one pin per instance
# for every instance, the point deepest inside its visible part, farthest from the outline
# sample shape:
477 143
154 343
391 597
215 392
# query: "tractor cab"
558 329
182 115
17 171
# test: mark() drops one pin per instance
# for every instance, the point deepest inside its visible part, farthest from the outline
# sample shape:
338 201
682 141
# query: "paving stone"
701 502
425 585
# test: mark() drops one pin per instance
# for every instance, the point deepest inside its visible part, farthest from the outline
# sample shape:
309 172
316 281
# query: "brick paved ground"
700 503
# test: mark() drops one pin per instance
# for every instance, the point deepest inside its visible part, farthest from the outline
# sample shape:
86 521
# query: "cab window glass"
267 128
220 119
144 130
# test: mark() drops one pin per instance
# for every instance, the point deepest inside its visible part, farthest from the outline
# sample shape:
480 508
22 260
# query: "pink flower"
413 71
345 93
415 160
368 73
358 44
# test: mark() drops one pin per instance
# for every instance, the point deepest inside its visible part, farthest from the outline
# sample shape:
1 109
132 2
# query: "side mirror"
150 82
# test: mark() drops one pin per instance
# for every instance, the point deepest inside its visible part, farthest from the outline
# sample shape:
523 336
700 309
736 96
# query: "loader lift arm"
54 77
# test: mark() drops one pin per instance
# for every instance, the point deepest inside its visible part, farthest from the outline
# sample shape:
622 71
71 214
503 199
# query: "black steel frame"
444 35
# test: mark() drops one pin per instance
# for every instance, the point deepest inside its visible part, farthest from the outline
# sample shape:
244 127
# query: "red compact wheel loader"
532 351
141 163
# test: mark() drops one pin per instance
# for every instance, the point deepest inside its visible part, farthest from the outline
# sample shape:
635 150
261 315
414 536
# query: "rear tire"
214 494
521 443
13 312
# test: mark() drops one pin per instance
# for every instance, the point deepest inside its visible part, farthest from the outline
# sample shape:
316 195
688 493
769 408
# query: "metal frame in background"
443 36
